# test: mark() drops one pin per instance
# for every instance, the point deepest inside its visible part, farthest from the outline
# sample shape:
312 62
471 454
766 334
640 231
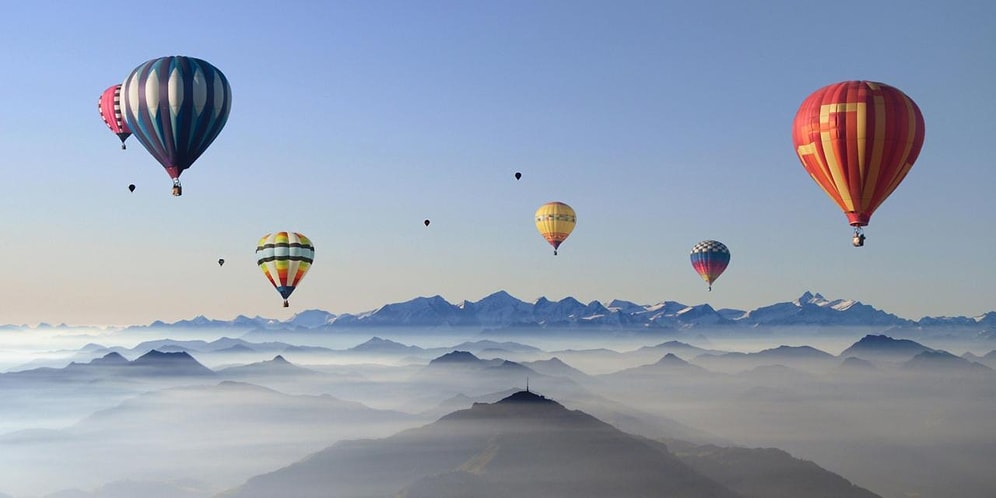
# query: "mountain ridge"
502 311
529 445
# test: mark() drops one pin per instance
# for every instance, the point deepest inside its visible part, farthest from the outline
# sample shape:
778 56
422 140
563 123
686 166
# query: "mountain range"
502 311
530 445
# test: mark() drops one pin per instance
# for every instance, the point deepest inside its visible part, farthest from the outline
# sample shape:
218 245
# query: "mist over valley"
222 409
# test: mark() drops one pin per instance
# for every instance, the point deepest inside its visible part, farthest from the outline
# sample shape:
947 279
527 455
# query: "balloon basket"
858 240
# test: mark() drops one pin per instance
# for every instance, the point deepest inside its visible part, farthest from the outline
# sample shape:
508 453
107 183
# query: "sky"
662 123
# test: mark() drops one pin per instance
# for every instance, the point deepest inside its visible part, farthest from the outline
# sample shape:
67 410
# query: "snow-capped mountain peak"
502 310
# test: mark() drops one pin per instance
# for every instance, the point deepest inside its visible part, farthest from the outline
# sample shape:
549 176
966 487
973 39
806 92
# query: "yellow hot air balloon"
555 221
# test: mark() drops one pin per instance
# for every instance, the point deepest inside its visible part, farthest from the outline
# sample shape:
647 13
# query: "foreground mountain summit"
528 445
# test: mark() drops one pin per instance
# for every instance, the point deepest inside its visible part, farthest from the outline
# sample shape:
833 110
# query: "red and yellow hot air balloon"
555 222
858 140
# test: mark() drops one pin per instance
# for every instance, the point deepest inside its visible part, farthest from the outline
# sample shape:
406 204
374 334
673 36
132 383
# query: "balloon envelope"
555 222
426 222
710 258
221 262
858 140
131 188
109 106
518 175
176 106
285 258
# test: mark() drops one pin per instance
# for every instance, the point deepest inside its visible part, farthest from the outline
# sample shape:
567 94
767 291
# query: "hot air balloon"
109 106
176 106
858 140
131 188
221 262
710 258
285 258
426 222
555 221
518 175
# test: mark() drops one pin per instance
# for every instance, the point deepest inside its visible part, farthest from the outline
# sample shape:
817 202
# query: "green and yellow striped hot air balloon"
285 258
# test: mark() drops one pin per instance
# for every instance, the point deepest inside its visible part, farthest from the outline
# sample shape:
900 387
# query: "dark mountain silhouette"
278 366
237 348
465 358
884 348
669 365
110 360
523 445
489 345
624 417
113 365
943 361
855 364
467 361
511 367
557 368
988 359
462 402
385 346
673 360
157 363
529 445
765 473
793 352
676 347
461 371
221 346
801 357
217 404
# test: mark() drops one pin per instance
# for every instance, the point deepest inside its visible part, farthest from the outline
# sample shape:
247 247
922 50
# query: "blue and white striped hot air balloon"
176 106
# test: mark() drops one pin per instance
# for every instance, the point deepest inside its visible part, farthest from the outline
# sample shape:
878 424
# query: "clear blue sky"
661 123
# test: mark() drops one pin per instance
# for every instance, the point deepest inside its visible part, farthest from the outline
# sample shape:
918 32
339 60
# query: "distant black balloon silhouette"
518 175
131 188
221 262
426 222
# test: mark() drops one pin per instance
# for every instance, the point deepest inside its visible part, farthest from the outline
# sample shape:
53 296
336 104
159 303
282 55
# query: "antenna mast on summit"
527 383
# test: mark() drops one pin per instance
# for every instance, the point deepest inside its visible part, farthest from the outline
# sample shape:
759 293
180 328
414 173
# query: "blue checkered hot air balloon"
710 258
176 106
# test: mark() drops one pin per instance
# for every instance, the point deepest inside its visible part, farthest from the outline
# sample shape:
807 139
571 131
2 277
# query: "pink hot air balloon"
109 107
